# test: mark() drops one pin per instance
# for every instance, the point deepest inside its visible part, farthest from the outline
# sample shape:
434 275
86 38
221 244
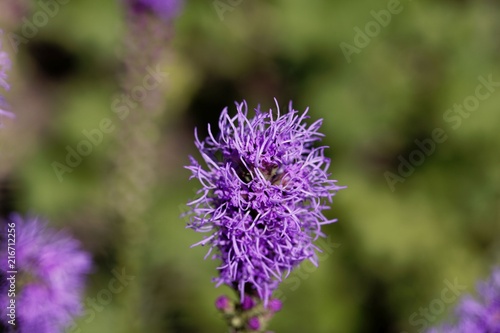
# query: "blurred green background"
394 244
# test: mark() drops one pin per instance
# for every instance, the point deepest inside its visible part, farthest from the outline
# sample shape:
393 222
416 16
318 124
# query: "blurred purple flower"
264 189
5 66
247 303
51 270
477 316
165 9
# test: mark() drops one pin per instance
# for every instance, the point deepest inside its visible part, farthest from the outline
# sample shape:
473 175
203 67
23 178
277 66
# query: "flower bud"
254 323
275 305
224 304
247 303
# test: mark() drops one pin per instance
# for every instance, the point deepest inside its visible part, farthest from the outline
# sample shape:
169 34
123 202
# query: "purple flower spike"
254 323
165 9
50 277
264 189
477 316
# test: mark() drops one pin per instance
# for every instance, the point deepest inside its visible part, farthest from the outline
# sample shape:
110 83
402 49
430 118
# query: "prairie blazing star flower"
50 276
264 189
477 316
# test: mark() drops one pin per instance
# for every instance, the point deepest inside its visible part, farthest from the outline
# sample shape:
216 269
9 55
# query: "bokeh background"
393 247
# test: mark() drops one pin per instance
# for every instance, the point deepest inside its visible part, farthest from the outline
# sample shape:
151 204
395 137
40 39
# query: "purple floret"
254 323
477 315
222 303
264 189
275 305
50 280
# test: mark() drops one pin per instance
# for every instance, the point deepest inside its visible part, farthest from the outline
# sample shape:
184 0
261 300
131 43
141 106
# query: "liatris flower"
165 9
265 187
5 65
477 316
48 274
